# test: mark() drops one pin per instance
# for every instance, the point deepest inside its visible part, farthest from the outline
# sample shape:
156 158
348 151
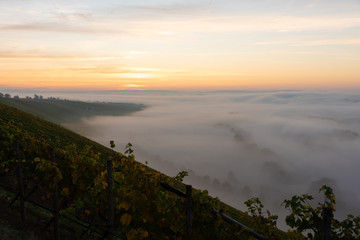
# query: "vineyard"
67 111
68 175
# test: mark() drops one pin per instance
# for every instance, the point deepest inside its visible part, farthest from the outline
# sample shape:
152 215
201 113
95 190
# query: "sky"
180 45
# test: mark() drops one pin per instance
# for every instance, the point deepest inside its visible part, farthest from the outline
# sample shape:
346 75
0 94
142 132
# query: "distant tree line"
36 97
6 95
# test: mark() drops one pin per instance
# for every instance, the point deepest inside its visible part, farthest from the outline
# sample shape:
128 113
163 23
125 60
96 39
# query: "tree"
307 219
265 222
307 222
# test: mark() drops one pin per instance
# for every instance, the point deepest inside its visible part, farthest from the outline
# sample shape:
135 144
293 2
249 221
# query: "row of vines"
143 210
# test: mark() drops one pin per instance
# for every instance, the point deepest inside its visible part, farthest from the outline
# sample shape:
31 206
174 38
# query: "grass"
41 128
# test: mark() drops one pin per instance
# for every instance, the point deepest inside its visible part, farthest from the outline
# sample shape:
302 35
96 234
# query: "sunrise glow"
191 45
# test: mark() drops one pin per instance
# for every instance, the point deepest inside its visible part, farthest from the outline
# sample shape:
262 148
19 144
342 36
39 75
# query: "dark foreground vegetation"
53 177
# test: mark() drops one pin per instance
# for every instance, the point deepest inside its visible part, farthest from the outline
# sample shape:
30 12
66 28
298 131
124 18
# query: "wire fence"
32 192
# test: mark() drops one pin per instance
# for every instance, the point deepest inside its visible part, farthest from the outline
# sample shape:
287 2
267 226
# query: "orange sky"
180 45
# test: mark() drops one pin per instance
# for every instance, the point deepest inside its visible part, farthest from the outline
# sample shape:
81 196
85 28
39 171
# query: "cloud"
278 23
193 24
312 4
336 41
158 11
322 42
100 69
48 27
18 56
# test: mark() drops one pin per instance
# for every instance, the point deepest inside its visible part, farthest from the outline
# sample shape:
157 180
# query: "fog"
242 144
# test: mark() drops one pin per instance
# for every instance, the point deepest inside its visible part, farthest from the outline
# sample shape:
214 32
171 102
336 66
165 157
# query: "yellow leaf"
131 234
66 191
125 219
145 234
174 228
87 212
104 184
124 205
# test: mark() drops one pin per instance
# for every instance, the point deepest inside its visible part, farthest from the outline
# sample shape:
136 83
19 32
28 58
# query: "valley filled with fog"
237 145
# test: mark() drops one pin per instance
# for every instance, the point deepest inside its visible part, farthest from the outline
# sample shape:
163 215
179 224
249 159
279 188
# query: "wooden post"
20 184
188 212
110 200
327 215
55 204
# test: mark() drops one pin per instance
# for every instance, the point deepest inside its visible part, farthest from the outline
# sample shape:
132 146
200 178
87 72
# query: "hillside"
143 210
66 111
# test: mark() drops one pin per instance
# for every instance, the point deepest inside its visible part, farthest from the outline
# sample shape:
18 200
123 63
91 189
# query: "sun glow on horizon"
161 45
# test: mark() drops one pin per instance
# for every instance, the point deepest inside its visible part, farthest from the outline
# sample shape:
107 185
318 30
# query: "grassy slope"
42 128
48 130
64 111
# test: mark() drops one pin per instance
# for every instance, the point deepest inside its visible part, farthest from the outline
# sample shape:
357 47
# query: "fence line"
102 234
188 197
109 233
19 192
233 221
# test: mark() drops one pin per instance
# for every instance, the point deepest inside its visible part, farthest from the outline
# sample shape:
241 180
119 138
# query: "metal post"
110 200
327 215
55 204
188 212
20 183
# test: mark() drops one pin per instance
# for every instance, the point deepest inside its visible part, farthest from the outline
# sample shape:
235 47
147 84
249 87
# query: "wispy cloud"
270 23
161 10
312 4
183 41
221 24
338 41
48 27
25 56
319 42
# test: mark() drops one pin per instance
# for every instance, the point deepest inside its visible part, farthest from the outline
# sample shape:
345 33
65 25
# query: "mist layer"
243 144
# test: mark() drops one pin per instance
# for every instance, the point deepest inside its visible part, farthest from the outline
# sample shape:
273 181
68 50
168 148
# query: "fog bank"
243 144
